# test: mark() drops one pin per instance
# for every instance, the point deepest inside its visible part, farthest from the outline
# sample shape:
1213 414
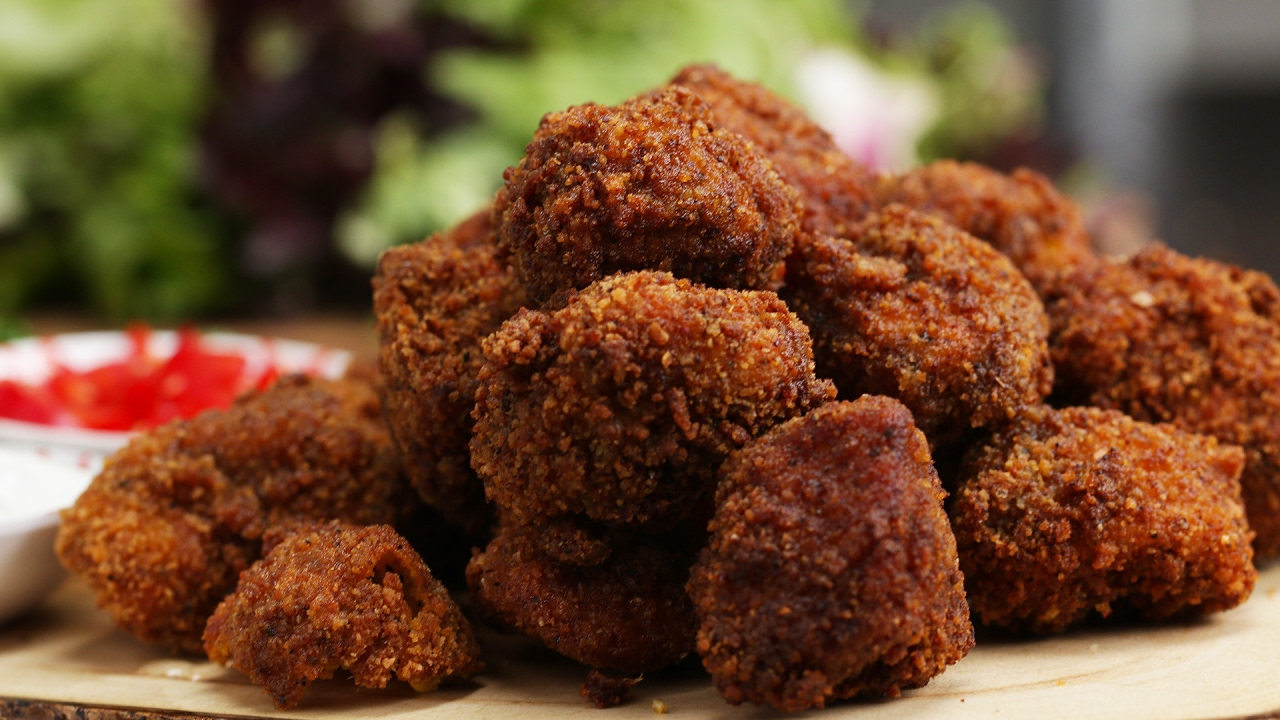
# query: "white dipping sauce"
32 486
32 490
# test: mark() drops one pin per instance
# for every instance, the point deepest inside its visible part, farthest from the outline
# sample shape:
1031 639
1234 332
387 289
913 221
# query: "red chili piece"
138 392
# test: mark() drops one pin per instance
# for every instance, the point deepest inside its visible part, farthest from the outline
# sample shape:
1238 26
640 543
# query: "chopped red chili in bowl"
138 392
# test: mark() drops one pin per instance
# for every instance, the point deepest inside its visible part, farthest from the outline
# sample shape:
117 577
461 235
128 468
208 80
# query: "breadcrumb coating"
435 301
836 192
649 184
627 613
163 532
1067 513
916 309
1166 338
337 596
831 571
621 405
1022 215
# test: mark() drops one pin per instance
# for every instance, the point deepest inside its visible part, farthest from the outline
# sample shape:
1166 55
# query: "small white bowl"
30 360
32 491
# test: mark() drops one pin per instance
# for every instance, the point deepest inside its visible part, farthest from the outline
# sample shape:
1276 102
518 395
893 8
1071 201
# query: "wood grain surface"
67 660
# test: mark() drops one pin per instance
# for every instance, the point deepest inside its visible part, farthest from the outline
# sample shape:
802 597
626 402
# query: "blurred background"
199 160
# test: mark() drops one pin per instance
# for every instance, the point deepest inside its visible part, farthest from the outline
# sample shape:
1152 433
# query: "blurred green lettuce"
99 105
991 87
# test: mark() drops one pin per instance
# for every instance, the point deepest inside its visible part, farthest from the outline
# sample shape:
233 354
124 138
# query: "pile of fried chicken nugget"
687 386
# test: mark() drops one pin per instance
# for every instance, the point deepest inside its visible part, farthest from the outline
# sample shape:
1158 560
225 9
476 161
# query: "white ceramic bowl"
30 360
32 491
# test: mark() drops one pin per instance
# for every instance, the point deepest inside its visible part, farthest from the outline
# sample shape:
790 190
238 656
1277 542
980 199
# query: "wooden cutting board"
69 656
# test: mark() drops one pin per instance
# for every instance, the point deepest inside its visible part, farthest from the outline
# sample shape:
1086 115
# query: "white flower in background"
875 117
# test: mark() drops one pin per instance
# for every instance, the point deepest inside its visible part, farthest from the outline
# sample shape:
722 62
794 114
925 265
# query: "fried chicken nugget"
836 191
1066 513
649 184
1022 215
621 405
1192 342
435 301
338 596
916 309
627 612
163 532
831 571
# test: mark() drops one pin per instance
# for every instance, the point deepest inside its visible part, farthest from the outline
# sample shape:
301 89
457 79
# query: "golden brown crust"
1022 215
836 192
621 405
308 448
627 614
163 532
647 184
1196 343
160 539
831 570
1068 512
435 301
915 309
338 596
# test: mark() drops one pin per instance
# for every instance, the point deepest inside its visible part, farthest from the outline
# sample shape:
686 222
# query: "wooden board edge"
19 709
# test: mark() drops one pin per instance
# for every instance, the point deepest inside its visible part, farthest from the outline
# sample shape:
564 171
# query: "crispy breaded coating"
1022 215
1066 513
836 191
338 596
646 185
1196 343
913 308
621 405
831 571
162 533
161 538
308 448
627 613
435 301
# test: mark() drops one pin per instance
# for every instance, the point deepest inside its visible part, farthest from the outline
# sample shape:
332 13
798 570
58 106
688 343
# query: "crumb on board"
604 691
659 707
